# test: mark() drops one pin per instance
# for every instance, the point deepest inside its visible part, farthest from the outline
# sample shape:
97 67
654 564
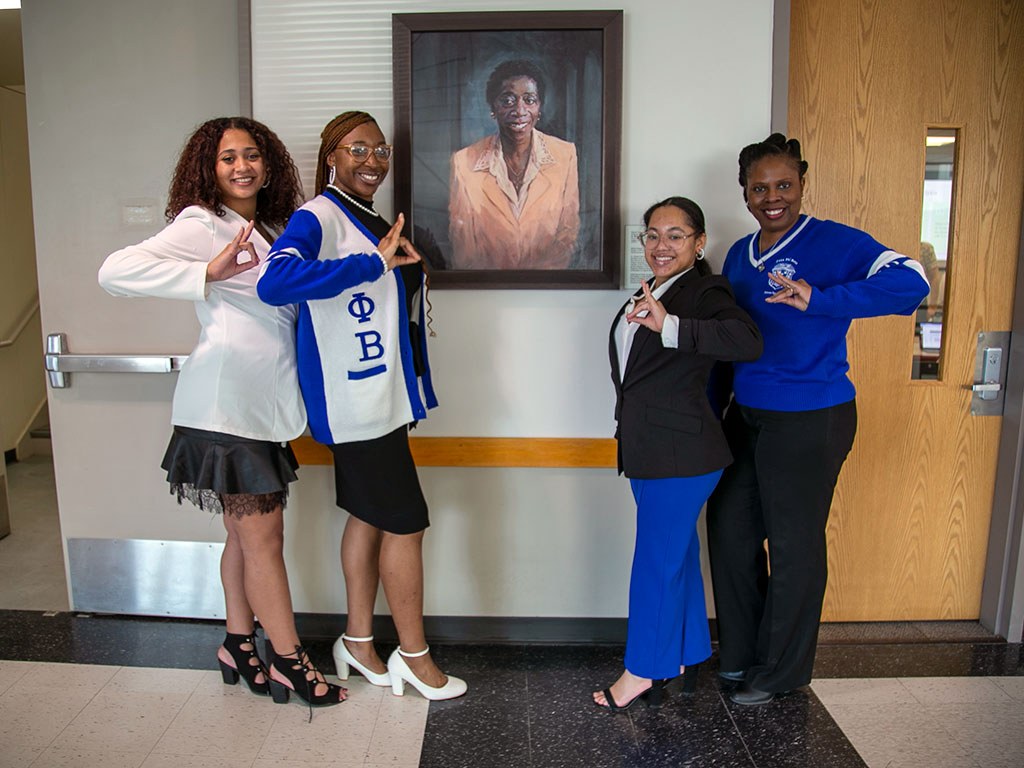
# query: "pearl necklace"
356 203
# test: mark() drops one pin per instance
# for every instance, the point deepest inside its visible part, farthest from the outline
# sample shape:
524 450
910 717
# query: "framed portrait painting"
507 146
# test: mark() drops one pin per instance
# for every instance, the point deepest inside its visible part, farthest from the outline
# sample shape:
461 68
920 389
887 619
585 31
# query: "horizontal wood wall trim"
489 452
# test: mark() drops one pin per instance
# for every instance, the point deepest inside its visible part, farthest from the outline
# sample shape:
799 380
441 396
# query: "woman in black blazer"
663 344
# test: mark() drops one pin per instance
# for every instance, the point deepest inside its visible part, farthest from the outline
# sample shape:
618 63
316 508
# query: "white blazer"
241 378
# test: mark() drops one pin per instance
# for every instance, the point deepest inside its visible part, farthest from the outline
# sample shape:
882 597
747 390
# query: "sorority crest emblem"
784 267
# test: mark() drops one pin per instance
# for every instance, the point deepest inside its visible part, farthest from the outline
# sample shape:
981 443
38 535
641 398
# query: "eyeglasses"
675 239
362 152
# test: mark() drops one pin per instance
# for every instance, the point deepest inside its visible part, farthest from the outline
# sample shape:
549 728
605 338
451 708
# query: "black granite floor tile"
919 660
793 730
468 733
81 638
566 727
693 730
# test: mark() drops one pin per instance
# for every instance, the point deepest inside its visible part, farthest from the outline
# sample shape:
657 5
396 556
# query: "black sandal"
302 678
247 663
651 695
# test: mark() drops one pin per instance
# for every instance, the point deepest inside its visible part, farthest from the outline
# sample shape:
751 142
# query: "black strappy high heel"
302 678
247 663
652 696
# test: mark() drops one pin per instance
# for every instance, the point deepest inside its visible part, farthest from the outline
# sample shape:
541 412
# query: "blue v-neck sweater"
804 364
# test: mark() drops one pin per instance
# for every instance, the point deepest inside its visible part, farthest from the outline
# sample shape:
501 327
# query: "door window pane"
936 242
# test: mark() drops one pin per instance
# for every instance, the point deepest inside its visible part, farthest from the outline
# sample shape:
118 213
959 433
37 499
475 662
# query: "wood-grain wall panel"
909 525
488 452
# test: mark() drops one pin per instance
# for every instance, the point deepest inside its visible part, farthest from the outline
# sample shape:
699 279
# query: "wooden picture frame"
478 220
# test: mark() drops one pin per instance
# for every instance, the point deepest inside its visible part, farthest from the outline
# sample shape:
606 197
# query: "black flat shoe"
736 677
748 696
652 696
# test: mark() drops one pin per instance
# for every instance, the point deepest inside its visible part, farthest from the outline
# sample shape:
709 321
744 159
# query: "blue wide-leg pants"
668 620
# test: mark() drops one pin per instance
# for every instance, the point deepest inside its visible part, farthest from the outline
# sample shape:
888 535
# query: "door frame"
1002 593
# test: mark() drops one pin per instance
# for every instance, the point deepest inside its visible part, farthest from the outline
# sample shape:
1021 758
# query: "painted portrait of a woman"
514 199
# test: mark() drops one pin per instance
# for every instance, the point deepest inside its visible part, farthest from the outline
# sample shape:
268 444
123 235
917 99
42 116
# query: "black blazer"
666 427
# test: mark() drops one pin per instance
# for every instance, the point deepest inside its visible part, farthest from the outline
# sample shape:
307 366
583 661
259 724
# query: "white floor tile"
232 725
1013 686
961 722
859 693
955 690
398 733
30 719
992 734
11 672
273 762
160 760
898 735
334 735
17 755
126 721
63 757
155 680
46 677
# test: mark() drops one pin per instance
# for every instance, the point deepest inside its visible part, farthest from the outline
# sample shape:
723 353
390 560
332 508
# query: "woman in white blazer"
237 402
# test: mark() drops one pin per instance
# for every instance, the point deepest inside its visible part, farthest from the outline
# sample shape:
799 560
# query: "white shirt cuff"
670 332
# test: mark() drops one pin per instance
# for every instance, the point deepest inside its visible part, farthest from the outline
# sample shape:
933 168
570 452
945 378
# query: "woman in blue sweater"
792 420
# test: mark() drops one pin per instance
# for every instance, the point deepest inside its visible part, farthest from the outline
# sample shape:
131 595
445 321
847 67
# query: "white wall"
697 87
128 79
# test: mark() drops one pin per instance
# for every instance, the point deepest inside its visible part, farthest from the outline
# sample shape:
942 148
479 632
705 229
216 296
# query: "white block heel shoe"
343 658
401 674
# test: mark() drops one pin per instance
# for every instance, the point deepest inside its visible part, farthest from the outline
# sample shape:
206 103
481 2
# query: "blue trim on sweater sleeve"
311 377
295 274
895 289
405 349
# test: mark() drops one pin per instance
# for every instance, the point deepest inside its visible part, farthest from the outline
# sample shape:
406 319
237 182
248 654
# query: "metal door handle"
984 387
60 363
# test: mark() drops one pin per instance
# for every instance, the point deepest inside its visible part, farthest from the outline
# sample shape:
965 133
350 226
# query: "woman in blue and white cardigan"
365 378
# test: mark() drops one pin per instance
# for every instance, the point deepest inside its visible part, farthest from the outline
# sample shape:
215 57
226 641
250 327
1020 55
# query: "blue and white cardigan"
355 355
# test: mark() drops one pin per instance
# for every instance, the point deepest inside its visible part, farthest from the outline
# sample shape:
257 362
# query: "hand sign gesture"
392 241
655 317
795 293
227 264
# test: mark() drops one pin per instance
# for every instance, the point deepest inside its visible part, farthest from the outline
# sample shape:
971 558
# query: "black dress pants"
778 488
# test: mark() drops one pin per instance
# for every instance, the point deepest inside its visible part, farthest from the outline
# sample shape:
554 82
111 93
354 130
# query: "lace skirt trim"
218 472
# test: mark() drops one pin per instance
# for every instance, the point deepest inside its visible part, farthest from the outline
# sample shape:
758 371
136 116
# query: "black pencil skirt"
376 481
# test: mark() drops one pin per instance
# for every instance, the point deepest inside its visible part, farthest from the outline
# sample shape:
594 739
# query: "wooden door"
909 526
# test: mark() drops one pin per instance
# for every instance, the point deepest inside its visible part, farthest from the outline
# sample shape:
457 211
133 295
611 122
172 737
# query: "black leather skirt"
203 467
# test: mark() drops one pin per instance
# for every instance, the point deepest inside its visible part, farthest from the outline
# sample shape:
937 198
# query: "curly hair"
195 181
693 214
776 145
512 69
